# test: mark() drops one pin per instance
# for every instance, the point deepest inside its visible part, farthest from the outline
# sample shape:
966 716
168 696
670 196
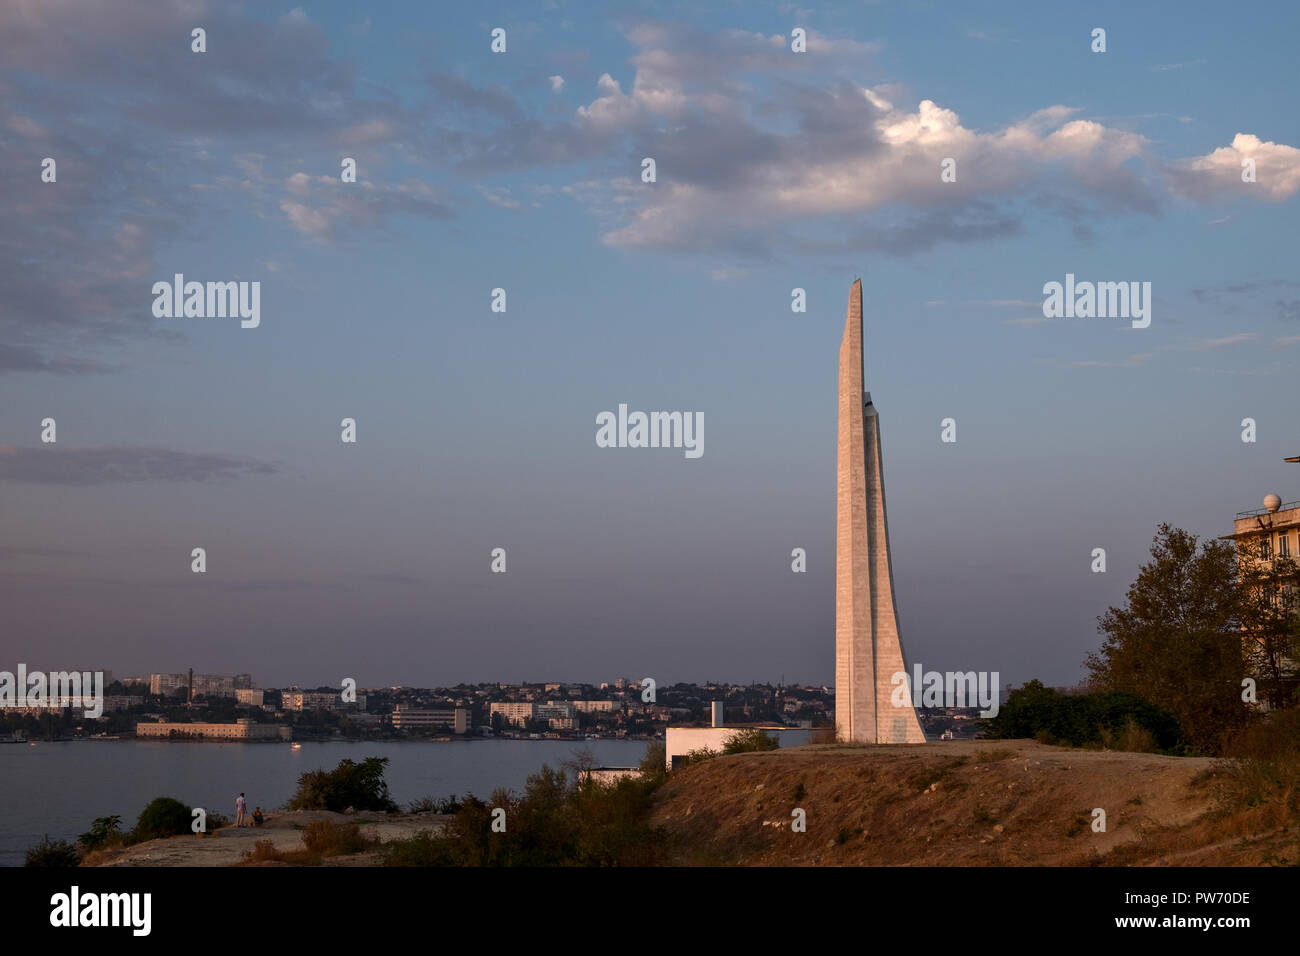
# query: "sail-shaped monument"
869 706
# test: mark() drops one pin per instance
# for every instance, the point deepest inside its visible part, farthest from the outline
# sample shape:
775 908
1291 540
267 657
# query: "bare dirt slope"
954 803
226 847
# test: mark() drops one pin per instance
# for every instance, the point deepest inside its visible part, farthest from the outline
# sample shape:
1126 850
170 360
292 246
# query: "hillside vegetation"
971 803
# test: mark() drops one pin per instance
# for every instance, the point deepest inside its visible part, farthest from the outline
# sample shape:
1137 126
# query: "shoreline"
336 740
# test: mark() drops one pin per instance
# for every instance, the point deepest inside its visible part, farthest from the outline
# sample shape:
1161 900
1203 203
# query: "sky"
521 170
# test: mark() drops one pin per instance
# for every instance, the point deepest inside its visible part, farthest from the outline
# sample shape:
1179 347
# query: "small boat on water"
295 746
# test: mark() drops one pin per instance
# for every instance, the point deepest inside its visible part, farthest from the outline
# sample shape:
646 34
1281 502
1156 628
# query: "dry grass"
321 839
104 854
967 803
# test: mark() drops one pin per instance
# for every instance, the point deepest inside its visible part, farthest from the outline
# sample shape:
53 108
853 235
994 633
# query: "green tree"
1269 586
1177 641
1078 719
360 786
163 817
103 830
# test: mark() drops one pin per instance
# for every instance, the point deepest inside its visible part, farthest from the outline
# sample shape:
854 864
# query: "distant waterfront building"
299 700
209 685
242 729
514 712
454 719
610 776
57 704
247 697
595 706
164 684
557 710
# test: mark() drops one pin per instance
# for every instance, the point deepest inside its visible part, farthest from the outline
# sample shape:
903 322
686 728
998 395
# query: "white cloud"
727 274
557 83
500 197
1218 345
321 206
1277 171
1133 361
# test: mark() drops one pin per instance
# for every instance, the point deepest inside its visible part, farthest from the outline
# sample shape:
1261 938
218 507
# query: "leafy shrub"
163 817
554 823
103 830
51 854
445 806
696 756
1264 769
653 765
426 848
750 741
359 786
1110 718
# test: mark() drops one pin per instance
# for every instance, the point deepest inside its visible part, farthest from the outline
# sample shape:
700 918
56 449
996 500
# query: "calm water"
59 788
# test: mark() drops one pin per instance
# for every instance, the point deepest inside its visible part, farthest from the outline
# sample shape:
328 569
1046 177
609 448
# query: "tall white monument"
868 651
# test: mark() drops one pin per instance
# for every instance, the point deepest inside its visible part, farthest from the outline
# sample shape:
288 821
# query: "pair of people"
241 813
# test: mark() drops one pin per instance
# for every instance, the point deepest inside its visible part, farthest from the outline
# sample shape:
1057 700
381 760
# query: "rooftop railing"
1285 506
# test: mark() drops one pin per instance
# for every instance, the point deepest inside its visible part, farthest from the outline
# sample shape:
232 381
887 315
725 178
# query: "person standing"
241 810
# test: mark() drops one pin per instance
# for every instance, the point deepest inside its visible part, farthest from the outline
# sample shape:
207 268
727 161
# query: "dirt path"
226 846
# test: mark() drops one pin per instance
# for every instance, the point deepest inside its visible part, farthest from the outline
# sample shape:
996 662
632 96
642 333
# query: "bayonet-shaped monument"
868 650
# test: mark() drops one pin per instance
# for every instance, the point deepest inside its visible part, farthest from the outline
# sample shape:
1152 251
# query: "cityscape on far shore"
189 706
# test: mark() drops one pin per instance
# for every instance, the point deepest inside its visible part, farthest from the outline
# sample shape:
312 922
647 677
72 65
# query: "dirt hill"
959 803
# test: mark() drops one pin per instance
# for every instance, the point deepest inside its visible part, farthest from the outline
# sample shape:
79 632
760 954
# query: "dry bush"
1132 738
262 852
326 838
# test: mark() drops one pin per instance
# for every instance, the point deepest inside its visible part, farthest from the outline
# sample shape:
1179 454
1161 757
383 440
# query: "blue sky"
521 170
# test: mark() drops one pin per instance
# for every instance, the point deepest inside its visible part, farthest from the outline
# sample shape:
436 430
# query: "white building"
456 720
308 700
554 710
249 697
680 741
515 712
595 706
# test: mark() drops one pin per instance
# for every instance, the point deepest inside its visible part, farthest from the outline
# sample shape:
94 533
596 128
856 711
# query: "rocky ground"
227 846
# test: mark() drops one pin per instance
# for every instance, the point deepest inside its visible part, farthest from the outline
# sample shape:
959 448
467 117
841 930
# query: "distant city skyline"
477 430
